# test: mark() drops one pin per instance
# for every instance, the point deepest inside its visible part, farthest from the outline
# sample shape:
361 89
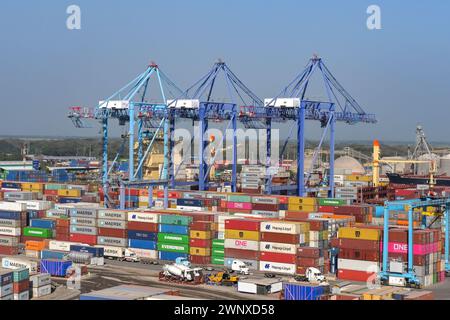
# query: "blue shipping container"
142 244
142 235
69 200
95 251
294 291
171 256
168 228
10 215
43 223
52 254
55 267
11 185
190 202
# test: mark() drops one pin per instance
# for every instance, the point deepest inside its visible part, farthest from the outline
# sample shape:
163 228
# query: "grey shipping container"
83 230
82 221
112 241
112 224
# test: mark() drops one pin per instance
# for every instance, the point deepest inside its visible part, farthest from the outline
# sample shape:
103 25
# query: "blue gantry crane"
130 105
292 104
199 103
408 277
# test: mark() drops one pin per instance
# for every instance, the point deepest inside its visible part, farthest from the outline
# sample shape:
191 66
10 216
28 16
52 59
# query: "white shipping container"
12 206
281 227
112 241
82 221
7 231
8 297
33 254
276 267
358 265
18 263
112 224
83 229
116 214
42 291
265 200
278 247
9 241
144 253
40 280
37 204
6 290
10 223
241 244
22 295
61 245
266 214
142 217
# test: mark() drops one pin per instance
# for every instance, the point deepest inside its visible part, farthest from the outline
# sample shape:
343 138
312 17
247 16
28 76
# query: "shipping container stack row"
361 251
13 217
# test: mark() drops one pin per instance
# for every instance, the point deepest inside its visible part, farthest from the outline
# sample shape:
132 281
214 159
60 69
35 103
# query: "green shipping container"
175 219
172 247
21 274
217 260
218 252
53 186
218 243
37 232
239 198
332 202
173 238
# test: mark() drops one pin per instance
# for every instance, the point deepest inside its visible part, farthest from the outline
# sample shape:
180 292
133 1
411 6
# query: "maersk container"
53 254
39 280
25 295
113 224
37 232
167 228
6 290
19 263
41 291
112 214
142 235
173 219
83 212
55 267
83 230
171 256
83 221
295 291
112 241
7 231
142 244
95 251
173 238
42 223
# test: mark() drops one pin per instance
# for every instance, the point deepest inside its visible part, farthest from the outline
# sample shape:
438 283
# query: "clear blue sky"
401 72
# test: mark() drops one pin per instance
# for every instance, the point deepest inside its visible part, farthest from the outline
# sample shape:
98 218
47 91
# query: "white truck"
119 253
239 267
312 275
182 271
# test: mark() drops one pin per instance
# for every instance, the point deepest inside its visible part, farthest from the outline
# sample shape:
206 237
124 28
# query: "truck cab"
239 267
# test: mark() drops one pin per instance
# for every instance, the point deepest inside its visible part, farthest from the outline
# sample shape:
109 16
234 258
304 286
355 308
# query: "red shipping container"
241 254
251 191
294 215
9 251
353 275
280 237
142 226
242 224
200 243
63 237
308 262
200 259
283 200
357 254
51 192
278 257
201 225
21 286
62 223
83 238
199 216
326 209
316 225
358 244
62 230
108 232
307 252
239 211
265 206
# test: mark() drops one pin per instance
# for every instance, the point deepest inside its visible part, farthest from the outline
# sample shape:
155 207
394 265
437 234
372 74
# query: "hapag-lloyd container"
278 247
276 267
241 244
147 217
284 227
265 200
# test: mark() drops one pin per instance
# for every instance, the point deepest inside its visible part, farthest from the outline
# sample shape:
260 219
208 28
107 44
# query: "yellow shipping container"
194 234
302 201
355 177
69 193
196 251
32 186
303 208
240 234
359 233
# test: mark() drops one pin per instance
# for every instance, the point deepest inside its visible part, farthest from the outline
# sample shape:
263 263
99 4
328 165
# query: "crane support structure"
410 276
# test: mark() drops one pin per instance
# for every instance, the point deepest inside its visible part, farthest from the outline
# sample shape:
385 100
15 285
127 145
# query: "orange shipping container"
34 245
